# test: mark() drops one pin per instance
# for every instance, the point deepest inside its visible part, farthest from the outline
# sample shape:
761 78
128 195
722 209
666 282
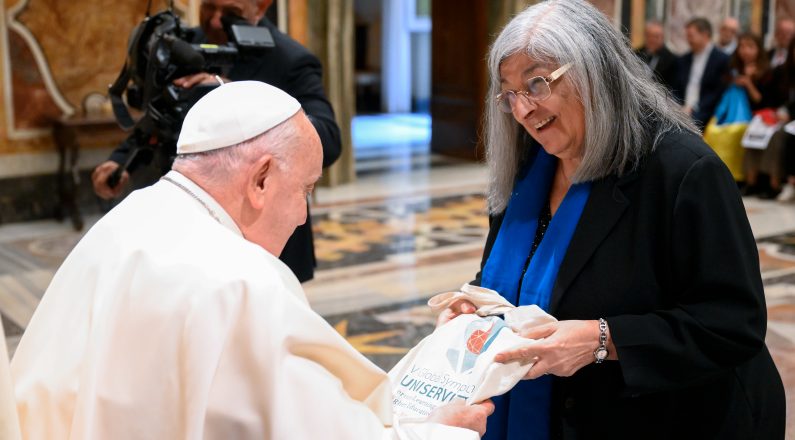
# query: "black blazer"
666 255
772 52
292 68
665 70
713 83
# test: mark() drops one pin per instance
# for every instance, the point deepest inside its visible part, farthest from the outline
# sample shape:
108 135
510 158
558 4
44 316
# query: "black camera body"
161 50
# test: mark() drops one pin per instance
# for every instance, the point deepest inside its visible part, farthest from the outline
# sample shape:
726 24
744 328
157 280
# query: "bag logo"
476 339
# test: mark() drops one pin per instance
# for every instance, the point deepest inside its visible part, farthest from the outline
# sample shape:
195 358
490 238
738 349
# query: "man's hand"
202 78
100 180
783 115
462 415
460 307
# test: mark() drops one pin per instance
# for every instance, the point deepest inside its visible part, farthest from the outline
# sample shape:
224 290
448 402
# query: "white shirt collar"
206 199
705 53
696 75
729 48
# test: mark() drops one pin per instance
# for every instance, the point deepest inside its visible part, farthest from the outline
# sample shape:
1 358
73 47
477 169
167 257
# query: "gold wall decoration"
611 8
681 11
55 53
785 9
500 12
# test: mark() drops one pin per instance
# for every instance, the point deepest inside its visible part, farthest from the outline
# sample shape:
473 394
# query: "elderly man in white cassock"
174 319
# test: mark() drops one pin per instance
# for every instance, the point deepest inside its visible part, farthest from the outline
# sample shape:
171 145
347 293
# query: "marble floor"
411 226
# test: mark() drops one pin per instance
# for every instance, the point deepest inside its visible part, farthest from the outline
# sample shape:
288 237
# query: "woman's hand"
566 347
746 82
460 307
743 80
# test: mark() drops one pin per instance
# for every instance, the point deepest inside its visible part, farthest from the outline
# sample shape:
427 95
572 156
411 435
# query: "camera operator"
288 66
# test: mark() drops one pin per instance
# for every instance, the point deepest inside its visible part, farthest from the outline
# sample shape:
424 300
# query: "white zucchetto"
233 113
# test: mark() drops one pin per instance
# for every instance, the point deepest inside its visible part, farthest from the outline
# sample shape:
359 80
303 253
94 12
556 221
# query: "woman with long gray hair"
608 211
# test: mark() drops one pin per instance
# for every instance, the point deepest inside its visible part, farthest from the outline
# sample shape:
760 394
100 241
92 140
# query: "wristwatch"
601 351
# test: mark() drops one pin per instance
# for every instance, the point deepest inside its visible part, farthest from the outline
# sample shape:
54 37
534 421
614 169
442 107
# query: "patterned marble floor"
388 242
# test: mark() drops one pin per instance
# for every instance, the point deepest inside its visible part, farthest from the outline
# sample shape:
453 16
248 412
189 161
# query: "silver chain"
602 333
195 197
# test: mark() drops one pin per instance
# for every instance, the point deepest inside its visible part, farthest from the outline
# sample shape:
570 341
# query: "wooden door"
459 43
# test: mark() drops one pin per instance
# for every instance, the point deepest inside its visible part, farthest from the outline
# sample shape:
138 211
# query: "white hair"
216 167
626 112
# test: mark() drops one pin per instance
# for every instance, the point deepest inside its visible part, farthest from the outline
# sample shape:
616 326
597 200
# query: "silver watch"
601 352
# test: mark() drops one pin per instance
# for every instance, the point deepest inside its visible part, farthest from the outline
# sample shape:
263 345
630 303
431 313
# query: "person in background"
287 65
781 148
660 60
751 71
609 211
783 142
702 73
782 36
787 194
727 35
173 318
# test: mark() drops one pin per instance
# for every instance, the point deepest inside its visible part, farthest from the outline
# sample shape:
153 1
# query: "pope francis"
173 318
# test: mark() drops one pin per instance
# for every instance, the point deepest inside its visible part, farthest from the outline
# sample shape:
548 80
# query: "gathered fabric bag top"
456 361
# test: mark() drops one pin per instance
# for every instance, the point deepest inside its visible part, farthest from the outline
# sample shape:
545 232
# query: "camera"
160 50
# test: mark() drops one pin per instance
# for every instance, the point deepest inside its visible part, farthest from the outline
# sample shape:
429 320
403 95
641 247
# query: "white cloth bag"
456 361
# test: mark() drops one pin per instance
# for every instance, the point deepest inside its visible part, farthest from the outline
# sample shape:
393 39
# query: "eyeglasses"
537 89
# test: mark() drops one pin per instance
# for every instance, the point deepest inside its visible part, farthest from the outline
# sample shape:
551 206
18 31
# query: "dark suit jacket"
292 68
771 53
665 70
713 83
665 254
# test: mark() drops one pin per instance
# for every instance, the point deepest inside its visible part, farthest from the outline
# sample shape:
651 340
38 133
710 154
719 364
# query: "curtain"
330 36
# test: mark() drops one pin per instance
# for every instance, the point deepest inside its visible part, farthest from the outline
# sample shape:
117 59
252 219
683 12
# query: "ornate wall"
57 52
54 54
785 8
680 11
501 10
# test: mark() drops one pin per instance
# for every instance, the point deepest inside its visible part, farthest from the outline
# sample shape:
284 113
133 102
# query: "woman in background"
751 71
786 73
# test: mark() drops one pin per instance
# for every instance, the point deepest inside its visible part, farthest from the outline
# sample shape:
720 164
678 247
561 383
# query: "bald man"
660 60
727 35
173 317
782 36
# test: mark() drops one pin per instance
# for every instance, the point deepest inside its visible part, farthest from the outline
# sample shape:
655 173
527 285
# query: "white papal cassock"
165 323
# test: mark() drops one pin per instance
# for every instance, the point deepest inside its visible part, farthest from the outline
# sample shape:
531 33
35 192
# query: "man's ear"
260 180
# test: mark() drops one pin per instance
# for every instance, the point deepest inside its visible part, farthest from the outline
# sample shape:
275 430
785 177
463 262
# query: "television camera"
160 50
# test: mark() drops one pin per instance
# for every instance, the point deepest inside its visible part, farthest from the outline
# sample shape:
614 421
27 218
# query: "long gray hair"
626 112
